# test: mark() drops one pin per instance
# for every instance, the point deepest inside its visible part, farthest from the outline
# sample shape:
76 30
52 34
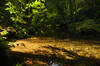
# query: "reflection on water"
55 63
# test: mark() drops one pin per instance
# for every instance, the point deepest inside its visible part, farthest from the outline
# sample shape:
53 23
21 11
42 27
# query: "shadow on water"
54 59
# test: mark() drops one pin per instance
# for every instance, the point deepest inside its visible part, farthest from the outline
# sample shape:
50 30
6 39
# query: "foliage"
57 18
25 14
18 64
50 17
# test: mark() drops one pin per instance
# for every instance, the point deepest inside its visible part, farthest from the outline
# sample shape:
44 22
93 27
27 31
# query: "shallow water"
54 63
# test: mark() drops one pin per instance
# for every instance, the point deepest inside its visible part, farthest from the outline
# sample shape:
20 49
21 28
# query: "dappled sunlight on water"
50 52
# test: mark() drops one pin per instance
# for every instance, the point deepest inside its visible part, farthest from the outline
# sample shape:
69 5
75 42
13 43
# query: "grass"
41 51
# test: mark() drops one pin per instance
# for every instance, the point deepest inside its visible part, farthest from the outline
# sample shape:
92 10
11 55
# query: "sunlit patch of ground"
62 49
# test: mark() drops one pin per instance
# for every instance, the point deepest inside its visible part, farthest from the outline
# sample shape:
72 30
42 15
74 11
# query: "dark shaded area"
3 56
18 57
3 52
